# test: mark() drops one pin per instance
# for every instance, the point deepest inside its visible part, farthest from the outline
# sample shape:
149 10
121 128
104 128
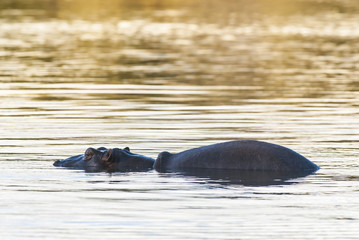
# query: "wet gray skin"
248 155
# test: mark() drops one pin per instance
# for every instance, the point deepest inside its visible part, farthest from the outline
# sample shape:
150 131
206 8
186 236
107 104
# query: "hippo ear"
127 149
89 154
107 156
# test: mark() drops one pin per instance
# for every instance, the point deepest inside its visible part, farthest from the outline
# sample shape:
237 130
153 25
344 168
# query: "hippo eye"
127 149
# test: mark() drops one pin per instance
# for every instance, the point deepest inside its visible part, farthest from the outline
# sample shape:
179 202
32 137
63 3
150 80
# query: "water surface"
172 75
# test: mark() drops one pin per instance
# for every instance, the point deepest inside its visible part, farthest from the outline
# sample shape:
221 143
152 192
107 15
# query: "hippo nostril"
89 154
57 163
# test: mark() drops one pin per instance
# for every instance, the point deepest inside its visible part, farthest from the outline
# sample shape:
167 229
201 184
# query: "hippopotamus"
243 155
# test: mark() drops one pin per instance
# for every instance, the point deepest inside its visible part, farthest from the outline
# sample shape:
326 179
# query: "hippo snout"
57 163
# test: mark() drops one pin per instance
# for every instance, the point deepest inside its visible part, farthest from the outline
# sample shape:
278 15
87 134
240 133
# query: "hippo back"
241 155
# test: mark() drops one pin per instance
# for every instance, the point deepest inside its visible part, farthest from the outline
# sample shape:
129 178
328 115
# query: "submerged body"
237 155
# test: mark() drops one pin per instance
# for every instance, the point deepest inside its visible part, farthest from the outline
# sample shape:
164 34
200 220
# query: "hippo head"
93 160
123 160
116 159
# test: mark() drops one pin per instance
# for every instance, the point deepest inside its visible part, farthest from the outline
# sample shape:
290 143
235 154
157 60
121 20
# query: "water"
172 75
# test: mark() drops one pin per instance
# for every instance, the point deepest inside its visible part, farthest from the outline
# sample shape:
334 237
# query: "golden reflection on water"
71 55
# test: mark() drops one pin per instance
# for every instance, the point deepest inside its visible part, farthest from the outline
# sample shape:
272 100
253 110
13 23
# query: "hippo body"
248 155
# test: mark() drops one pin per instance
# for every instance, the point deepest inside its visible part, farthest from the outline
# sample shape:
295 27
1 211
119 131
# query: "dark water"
172 75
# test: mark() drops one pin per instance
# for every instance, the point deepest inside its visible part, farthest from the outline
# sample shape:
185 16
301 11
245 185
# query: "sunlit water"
173 76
